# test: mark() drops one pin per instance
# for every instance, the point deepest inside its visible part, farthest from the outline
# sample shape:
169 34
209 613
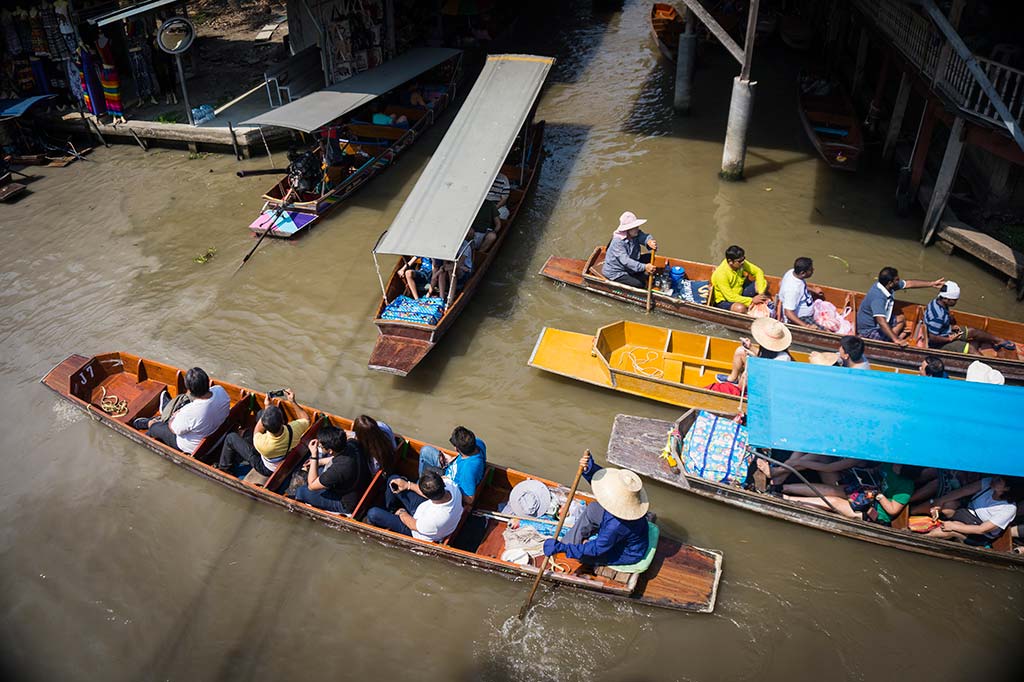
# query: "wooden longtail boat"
831 124
290 208
636 443
402 345
666 26
667 365
682 577
442 208
587 275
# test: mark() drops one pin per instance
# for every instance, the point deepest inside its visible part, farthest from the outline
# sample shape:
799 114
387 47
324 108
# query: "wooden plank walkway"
983 246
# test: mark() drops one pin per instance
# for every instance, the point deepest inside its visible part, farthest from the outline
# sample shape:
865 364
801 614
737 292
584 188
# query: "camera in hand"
276 394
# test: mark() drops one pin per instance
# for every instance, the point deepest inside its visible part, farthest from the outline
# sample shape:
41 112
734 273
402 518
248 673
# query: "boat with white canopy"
492 134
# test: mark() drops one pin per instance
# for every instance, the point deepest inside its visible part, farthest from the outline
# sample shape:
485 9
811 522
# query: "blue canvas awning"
13 108
886 417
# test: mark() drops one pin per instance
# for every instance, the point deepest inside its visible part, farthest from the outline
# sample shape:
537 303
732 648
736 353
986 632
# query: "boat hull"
580 273
666 26
636 443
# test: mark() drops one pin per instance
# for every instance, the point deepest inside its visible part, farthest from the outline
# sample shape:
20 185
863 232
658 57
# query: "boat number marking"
81 375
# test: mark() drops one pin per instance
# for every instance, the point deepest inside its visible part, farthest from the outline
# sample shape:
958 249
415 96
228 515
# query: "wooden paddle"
650 280
270 228
558 529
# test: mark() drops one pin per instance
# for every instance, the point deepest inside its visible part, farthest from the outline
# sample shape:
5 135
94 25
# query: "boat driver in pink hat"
623 262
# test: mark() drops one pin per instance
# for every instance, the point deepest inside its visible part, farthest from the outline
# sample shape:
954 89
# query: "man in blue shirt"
944 333
619 516
876 318
466 469
623 262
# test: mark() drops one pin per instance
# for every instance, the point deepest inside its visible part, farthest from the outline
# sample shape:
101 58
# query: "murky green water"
116 565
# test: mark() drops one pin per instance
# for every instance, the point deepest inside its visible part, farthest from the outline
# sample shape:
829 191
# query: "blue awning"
13 108
886 417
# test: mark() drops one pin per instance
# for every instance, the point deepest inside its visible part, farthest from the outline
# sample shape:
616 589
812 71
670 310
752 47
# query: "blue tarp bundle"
886 417
13 108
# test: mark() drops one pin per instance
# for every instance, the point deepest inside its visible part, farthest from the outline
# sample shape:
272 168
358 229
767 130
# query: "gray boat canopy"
320 108
441 207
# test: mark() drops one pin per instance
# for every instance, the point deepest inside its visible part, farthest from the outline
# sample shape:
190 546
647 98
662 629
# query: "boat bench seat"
628 579
143 396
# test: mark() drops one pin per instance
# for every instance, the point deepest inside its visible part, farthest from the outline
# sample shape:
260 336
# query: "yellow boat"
666 365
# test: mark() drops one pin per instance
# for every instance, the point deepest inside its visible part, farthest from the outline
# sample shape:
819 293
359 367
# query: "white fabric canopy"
441 207
320 108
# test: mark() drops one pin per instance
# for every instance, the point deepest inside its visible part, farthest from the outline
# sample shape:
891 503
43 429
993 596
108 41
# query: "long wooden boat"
289 210
586 274
831 123
636 443
667 365
682 577
667 24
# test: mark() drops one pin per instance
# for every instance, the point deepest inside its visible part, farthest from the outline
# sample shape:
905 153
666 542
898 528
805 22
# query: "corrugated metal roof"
320 108
439 210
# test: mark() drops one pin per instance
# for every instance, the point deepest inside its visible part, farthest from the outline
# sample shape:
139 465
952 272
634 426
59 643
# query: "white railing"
960 85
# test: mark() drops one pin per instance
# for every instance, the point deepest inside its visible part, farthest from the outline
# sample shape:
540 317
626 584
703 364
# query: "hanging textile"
55 44
64 25
109 78
24 30
92 92
74 81
139 59
39 74
35 22
14 47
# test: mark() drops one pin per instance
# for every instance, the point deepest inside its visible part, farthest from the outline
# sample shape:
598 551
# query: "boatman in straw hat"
619 517
623 262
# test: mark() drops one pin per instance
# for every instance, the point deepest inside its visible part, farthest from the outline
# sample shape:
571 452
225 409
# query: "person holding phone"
337 488
429 509
271 440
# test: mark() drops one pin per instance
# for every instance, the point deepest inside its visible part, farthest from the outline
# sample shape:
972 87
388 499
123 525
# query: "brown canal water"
117 565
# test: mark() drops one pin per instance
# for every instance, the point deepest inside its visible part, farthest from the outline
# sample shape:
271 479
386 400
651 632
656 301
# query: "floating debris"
206 257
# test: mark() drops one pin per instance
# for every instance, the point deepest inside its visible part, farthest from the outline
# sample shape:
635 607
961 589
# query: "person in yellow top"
271 440
738 283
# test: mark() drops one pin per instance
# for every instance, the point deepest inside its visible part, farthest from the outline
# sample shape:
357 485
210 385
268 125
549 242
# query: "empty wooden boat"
586 274
637 443
831 122
667 365
441 208
682 576
346 152
667 24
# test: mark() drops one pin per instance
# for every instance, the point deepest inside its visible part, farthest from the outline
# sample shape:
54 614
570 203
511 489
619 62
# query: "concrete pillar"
944 181
862 55
896 120
921 146
741 108
684 71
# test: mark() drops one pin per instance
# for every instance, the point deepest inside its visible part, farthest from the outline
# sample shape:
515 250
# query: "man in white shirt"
432 519
796 296
195 421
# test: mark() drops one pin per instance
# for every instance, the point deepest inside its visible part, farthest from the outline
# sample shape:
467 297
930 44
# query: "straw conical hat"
771 334
621 493
818 358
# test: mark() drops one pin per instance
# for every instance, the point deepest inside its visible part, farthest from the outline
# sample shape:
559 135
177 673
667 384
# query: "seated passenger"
270 442
876 318
378 441
414 98
339 487
486 225
499 193
887 503
990 507
382 118
206 410
738 283
618 517
622 261
945 334
796 296
460 270
932 366
427 510
773 339
935 484
417 273
829 469
851 353
466 469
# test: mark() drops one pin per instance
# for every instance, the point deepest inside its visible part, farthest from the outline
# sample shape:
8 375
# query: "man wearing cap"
876 317
945 334
623 262
618 516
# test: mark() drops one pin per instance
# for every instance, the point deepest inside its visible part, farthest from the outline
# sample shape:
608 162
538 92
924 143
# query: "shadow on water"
499 293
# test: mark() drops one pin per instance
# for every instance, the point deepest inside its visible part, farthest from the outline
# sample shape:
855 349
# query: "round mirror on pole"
175 36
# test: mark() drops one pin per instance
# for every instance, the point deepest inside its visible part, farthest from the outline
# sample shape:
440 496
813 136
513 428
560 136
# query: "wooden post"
921 146
944 181
685 60
896 120
862 55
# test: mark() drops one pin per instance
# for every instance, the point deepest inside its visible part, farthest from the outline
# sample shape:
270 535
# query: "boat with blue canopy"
843 413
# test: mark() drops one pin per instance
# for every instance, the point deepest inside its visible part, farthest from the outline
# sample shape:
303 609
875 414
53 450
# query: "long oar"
558 529
650 280
270 228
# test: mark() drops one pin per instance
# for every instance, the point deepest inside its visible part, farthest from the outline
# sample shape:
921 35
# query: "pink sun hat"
627 221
